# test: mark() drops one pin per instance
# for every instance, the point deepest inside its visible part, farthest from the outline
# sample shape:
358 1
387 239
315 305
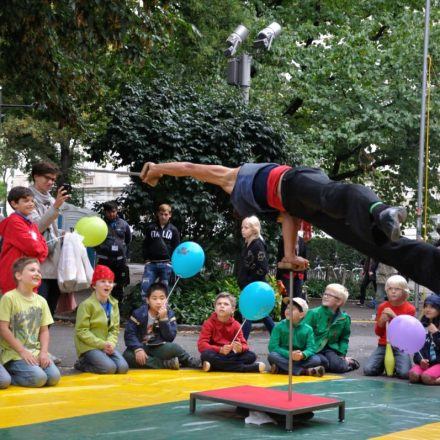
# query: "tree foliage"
174 122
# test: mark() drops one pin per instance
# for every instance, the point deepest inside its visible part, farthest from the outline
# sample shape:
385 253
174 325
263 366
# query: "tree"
174 122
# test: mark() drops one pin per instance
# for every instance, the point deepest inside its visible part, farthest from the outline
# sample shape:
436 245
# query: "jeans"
237 362
32 376
332 361
376 363
152 271
96 361
160 353
50 291
298 367
5 378
247 326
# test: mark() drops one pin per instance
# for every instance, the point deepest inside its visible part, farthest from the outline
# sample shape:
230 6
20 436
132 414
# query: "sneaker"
193 362
77 365
315 371
373 317
171 364
261 367
359 304
390 219
206 366
54 359
274 369
353 364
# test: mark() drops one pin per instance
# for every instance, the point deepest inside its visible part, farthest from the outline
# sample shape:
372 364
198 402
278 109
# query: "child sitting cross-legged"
331 328
221 341
97 328
24 330
305 361
397 291
427 360
150 333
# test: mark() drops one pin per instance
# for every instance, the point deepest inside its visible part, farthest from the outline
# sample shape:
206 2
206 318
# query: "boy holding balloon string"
150 332
397 291
221 341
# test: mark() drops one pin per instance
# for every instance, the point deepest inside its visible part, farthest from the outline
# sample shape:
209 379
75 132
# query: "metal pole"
419 210
290 334
100 170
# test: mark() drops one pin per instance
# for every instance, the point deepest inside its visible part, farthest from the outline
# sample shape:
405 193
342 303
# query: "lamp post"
239 68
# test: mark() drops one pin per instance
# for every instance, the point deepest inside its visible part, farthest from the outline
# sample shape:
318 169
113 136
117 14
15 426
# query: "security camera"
235 39
267 35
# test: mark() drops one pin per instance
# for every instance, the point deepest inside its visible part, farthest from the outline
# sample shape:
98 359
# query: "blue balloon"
256 301
187 259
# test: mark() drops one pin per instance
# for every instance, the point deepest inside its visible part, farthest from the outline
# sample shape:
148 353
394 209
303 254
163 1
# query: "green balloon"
93 229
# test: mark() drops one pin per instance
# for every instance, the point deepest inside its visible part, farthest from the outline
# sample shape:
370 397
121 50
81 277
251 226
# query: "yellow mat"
86 393
425 432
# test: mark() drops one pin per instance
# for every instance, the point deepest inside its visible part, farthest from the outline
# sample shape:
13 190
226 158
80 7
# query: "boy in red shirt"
218 352
397 304
21 237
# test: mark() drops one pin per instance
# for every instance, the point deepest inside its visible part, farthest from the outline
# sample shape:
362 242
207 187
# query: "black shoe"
193 362
389 221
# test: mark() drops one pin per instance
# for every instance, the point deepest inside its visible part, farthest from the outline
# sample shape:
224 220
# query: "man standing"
113 251
161 238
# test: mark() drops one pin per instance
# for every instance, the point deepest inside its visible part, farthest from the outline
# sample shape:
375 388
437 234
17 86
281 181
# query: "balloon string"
239 330
171 291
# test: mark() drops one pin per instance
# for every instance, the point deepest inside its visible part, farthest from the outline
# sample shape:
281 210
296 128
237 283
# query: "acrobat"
351 213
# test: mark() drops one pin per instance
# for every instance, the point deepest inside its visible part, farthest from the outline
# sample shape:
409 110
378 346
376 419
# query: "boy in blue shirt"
150 332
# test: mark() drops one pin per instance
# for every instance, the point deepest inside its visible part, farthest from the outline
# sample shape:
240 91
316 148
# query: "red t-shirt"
404 309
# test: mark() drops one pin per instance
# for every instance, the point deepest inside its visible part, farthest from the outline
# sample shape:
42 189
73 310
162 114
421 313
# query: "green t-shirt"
25 316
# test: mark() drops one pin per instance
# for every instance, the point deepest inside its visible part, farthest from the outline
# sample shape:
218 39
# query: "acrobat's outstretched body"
351 213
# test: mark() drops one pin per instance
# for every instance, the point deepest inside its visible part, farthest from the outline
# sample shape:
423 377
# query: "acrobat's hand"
148 175
299 264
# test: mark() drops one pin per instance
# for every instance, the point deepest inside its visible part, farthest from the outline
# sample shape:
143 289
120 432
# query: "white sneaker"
373 317
206 366
261 367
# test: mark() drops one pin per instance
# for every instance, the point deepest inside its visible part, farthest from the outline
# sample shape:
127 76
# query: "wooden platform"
269 400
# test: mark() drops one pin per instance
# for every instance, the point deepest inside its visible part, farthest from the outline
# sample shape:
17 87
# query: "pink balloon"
406 333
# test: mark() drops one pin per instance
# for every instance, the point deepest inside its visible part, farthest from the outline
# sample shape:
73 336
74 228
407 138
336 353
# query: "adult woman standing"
45 215
253 263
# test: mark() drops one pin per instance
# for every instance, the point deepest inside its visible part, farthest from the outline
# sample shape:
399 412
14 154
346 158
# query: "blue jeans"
96 361
247 326
297 366
375 365
152 271
32 376
5 378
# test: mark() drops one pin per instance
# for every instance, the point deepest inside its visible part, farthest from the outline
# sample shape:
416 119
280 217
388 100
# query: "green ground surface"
373 408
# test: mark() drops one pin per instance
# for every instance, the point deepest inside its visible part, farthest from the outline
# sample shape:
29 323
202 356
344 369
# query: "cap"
102 273
301 303
433 300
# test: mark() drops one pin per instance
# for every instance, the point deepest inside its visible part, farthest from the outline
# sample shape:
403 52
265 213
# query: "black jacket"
115 246
253 263
159 243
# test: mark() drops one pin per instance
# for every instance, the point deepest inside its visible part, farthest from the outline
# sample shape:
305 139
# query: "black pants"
366 280
122 276
342 211
50 291
239 362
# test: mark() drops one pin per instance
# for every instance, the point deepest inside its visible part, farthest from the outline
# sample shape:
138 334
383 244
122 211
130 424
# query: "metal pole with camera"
239 68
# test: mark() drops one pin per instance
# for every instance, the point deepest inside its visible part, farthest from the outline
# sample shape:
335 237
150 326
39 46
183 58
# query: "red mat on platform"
267 397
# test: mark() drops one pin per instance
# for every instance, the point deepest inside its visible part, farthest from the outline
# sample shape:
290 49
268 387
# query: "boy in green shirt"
331 328
305 361
24 329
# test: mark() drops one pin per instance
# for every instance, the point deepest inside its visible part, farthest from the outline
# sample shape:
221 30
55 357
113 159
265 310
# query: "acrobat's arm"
290 228
216 174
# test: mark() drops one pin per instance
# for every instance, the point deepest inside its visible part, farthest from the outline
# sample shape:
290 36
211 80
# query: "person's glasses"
49 178
330 295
